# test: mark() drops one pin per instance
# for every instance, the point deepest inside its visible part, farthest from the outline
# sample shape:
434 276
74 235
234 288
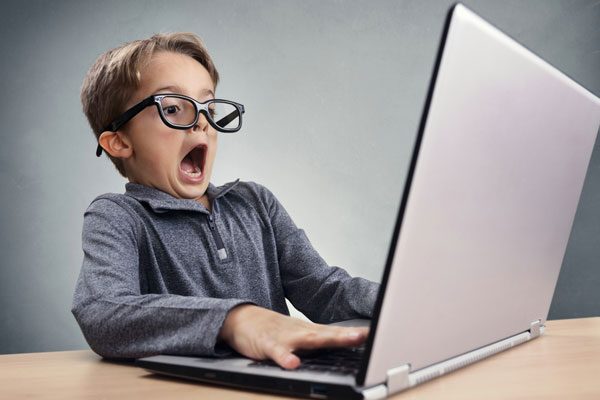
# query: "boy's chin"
192 193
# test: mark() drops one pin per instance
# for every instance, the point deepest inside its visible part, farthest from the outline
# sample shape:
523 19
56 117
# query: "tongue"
187 164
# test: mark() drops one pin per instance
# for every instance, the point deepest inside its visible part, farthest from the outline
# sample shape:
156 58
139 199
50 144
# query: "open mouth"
193 163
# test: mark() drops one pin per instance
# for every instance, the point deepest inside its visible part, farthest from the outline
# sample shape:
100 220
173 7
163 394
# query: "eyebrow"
177 89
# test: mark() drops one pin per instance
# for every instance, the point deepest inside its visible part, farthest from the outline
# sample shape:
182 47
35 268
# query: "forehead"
177 72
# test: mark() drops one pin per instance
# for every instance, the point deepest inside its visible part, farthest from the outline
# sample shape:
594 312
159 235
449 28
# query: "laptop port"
318 392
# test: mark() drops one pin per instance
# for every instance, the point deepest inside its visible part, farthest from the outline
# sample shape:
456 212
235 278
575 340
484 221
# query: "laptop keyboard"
344 361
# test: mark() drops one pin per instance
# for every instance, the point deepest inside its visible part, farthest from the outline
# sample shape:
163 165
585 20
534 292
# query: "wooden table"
562 364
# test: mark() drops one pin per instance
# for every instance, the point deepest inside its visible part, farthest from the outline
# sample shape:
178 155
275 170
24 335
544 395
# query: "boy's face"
177 162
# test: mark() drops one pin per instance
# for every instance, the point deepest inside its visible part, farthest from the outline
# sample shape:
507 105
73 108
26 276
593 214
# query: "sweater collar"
160 201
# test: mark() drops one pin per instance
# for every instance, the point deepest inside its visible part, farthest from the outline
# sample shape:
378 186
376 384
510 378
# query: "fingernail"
289 362
289 359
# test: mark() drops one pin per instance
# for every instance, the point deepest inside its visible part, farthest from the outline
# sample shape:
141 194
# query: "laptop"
490 197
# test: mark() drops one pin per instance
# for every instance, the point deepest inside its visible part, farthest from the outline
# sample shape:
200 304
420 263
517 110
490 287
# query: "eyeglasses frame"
156 99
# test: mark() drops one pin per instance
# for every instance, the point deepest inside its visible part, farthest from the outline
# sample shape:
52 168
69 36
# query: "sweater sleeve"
117 320
321 292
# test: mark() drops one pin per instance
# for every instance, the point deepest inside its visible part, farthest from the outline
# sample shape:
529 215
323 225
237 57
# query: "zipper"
221 252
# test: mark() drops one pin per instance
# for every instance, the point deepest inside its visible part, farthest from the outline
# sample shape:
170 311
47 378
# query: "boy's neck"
205 202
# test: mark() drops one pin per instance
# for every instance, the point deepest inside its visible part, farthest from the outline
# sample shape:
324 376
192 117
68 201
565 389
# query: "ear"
117 144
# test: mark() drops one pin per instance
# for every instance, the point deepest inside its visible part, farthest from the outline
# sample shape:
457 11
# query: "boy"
176 265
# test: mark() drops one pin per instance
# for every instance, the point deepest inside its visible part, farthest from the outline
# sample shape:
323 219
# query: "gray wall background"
333 89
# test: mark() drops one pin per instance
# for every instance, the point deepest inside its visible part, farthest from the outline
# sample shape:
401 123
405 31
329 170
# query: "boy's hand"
259 334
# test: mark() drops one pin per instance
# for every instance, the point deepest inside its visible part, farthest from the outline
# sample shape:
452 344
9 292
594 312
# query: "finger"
327 336
346 337
283 357
356 336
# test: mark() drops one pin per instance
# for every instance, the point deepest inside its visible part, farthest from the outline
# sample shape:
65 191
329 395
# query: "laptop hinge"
397 379
534 328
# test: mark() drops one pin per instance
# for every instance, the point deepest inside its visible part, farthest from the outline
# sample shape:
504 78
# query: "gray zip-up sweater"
159 274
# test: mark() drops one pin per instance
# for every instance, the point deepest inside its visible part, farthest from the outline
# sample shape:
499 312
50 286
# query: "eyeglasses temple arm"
228 118
123 118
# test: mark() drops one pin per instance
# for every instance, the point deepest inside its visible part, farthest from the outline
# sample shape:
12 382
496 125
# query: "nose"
202 124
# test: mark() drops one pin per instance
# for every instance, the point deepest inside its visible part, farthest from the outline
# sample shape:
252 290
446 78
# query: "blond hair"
115 76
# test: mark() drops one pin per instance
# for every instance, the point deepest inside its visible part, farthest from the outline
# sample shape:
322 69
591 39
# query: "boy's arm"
323 293
115 318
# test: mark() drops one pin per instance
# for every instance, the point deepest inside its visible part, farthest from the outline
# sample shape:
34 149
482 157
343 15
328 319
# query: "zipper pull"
221 252
211 222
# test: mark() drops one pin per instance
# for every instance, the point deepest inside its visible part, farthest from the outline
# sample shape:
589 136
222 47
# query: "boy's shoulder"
117 199
116 206
251 188
256 192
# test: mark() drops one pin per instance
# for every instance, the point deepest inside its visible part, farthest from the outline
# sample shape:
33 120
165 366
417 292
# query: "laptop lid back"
491 196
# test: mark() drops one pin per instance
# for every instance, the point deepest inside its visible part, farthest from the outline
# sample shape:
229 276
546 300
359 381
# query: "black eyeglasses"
181 112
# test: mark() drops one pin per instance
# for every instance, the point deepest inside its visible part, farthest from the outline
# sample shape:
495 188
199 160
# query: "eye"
170 110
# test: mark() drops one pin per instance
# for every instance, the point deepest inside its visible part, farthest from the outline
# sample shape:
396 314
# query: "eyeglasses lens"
178 111
183 112
225 115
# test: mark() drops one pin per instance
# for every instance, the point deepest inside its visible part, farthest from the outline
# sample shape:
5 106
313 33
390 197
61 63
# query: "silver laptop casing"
502 160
